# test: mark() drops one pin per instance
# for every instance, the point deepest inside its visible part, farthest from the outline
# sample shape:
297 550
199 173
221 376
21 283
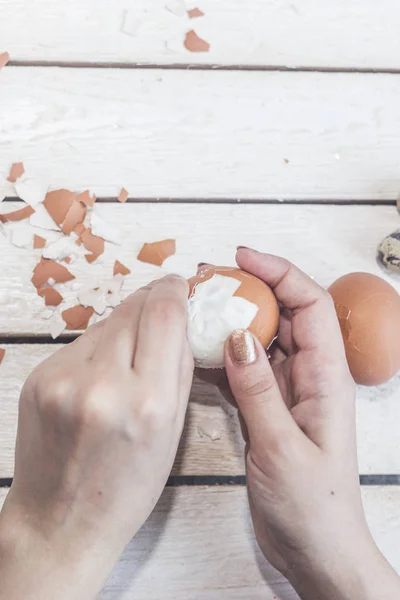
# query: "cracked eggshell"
368 309
388 255
221 300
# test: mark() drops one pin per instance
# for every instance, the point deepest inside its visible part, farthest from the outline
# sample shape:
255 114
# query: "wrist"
359 571
33 565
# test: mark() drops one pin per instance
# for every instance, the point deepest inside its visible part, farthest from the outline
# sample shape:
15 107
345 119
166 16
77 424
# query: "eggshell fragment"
38 242
58 203
123 195
2 355
93 243
87 198
195 13
17 215
157 252
120 268
4 58
52 297
368 311
31 190
76 215
103 229
22 237
77 318
221 300
16 171
42 219
49 269
388 255
194 43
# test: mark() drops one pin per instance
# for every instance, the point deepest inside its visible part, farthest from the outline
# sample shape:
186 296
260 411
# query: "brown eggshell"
2 354
17 215
16 171
266 322
75 216
157 252
47 269
194 43
58 203
120 269
123 195
368 310
4 58
52 297
77 318
38 242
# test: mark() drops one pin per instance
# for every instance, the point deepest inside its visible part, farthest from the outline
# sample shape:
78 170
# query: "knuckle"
96 409
153 415
52 396
251 388
168 309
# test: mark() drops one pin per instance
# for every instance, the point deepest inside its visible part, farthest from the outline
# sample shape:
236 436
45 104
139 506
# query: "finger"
314 321
258 396
186 380
162 330
117 341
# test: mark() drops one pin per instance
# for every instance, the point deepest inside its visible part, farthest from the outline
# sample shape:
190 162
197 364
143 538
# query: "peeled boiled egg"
221 300
368 310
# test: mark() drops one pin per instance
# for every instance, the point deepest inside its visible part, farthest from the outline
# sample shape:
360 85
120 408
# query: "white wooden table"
284 136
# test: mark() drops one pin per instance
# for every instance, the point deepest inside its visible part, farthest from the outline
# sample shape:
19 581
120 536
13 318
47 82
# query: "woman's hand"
99 426
298 419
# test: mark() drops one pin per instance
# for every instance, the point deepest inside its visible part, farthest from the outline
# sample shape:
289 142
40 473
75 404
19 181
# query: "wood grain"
378 415
199 543
325 241
204 134
342 34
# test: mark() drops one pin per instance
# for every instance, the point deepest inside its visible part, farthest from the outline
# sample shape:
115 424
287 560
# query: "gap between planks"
200 67
249 201
240 480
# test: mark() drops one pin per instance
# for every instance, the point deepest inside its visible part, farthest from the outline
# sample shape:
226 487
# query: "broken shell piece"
58 203
123 195
131 23
176 7
388 255
194 13
158 252
87 198
91 258
49 269
16 171
38 242
4 58
94 298
2 355
52 297
17 215
42 219
101 228
76 215
77 318
194 43
93 243
32 191
61 249
120 268
56 328
79 229
22 237
208 427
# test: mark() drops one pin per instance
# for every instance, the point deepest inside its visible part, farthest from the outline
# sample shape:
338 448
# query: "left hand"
99 426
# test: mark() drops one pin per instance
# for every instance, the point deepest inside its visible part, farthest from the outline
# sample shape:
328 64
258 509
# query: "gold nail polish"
242 347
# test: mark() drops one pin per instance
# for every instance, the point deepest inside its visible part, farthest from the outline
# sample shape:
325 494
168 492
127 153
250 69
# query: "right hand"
298 413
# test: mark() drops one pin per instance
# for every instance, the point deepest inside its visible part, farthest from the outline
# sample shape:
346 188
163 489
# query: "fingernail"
201 265
242 248
242 347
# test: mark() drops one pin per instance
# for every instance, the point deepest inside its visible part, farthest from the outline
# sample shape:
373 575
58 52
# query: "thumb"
257 393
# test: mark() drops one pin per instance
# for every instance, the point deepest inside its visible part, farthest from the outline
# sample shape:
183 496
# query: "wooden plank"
199 543
325 241
204 134
378 416
293 33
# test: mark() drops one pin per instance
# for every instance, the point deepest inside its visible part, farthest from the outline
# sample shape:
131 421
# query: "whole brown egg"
368 309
